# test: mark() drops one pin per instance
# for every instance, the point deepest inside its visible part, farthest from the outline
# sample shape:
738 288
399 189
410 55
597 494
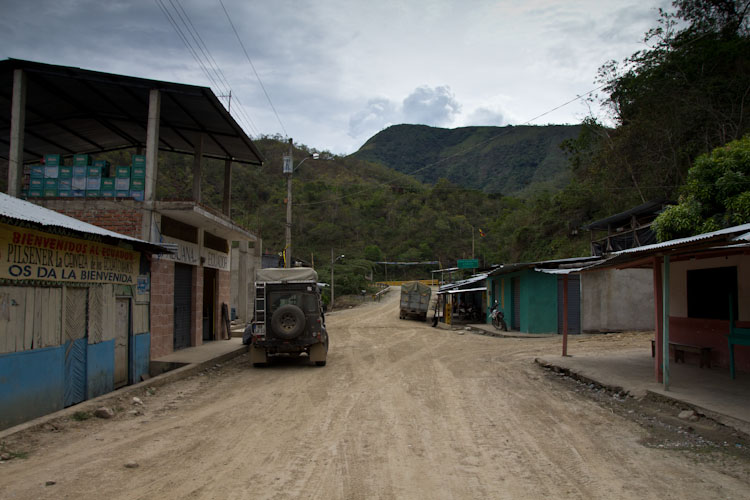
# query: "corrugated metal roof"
72 110
467 281
722 234
24 211
722 239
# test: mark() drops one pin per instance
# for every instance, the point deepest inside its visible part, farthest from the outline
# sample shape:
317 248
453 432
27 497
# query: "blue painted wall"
141 355
538 299
31 384
100 368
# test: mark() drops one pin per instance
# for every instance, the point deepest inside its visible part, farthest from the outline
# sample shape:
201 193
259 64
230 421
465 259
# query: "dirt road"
402 411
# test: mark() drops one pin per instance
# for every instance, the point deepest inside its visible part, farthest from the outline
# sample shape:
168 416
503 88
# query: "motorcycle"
498 318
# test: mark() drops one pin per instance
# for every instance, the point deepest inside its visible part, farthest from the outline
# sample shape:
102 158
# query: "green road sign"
468 263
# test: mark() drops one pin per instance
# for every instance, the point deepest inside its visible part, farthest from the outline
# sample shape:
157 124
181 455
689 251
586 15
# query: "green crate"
137 184
93 183
122 183
36 183
65 193
65 172
122 171
65 184
50 193
138 161
138 172
50 183
108 193
94 172
81 160
36 193
53 160
36 171
79 171
93 193
108 183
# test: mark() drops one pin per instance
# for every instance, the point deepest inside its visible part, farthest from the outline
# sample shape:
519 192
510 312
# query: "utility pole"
288 169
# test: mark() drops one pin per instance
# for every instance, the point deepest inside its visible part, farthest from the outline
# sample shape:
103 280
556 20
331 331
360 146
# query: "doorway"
209 303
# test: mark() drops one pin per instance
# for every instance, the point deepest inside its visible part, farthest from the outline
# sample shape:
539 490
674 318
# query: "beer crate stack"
85 178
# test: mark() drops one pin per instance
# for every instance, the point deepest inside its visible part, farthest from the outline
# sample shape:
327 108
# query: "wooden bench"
680 349
737 336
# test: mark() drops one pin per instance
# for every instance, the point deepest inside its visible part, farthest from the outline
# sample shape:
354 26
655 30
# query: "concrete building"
71 111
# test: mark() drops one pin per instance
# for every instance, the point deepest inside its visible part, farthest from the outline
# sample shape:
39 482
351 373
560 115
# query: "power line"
253 66
179 19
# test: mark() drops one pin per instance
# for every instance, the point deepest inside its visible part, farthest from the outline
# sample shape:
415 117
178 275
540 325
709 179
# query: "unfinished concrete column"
242 282
17 124
152 144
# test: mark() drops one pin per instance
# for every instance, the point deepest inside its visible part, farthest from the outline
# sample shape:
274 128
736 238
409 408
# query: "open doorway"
209 304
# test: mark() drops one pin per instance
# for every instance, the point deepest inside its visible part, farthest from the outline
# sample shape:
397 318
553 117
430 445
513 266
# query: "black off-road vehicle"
289 317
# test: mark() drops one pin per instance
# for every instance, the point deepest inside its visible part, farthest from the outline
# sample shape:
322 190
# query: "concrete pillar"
242 283
658 319
198 169
152 144
17 125
227 202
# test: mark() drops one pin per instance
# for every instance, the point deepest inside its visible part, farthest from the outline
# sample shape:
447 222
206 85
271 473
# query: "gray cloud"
431 106
378 113
484 116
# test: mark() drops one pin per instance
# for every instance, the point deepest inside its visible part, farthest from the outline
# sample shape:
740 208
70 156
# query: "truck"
415 300
289 316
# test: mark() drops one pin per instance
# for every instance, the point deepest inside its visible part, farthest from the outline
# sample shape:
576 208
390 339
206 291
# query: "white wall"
617 300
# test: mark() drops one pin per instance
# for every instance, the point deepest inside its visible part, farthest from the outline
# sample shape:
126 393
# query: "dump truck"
415 300
289 317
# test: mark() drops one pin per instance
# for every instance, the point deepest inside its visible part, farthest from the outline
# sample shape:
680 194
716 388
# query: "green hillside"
504 160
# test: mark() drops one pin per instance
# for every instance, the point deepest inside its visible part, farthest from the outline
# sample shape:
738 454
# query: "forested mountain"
503 160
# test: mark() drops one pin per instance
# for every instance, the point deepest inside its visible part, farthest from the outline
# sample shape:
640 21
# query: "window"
306 302
708 292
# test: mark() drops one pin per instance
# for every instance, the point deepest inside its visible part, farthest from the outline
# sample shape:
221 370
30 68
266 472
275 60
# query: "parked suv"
289 318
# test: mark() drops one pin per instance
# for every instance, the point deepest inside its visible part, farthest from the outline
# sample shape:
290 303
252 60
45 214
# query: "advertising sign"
28 254
191 254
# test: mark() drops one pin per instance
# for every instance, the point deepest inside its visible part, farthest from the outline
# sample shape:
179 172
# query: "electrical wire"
179 18
257 76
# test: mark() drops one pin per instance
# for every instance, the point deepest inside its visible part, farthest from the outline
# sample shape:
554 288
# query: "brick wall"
120 217
196 304
162 307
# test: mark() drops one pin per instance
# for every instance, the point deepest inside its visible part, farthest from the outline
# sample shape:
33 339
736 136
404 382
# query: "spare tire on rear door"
288 322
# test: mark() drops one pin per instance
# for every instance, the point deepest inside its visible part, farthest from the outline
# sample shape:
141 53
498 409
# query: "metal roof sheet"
71 110
24 211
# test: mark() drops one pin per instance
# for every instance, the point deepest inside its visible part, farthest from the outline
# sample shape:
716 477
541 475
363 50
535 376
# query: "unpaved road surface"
402 411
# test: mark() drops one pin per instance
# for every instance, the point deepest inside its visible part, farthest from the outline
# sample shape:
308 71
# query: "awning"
199 216
462 290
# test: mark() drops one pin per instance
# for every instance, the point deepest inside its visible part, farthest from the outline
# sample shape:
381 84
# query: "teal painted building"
528 299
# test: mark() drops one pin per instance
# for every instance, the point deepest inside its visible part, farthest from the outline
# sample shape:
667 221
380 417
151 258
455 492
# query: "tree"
716 195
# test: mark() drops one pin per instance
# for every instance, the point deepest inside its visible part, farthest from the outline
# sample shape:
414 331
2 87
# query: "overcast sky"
332 73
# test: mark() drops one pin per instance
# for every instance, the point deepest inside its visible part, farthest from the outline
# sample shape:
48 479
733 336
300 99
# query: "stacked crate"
85 178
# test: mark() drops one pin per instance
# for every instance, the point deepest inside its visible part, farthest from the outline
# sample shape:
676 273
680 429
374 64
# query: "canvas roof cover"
291 274
415 286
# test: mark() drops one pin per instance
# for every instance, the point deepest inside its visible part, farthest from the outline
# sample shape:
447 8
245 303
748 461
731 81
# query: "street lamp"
288 169
333 261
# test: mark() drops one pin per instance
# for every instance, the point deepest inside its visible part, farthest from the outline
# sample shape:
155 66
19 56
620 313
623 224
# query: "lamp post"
288 169
333 261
